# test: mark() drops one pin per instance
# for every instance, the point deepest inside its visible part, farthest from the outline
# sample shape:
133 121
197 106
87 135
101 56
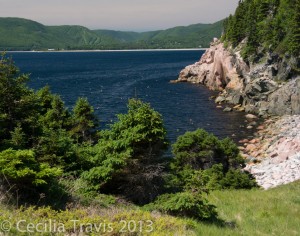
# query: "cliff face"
265 87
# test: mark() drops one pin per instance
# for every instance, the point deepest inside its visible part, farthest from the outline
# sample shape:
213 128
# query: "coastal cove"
109 79
190 130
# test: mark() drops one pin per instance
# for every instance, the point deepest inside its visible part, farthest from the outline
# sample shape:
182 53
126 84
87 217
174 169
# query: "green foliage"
39 123
217 178
185 204
18 137
236 179
134 143
203 162
84 121
294 43
57 116
201 150
270 24
17 101
56 148
21 167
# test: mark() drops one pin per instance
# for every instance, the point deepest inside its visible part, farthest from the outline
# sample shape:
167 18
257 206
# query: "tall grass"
257 212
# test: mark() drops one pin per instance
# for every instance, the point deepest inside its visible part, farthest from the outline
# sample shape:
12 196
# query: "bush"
201 150
186 204
216 178
127 158
213 163
21 168
236 179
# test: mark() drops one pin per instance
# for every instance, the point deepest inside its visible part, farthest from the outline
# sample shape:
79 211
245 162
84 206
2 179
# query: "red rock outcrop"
254 87
216 69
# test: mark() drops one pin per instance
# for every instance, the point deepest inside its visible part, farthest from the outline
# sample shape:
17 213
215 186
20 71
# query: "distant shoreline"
120 50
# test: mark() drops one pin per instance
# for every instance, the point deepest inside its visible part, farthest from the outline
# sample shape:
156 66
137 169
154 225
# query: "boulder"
251 116
227 109
286 100
220 99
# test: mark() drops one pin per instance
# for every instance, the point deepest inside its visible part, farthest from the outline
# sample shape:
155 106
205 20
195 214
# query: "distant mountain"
23 34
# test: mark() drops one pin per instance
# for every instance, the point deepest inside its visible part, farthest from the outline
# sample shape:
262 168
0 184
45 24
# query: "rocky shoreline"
273 155
269 88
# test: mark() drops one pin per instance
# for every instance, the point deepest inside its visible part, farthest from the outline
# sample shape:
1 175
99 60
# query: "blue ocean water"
109 79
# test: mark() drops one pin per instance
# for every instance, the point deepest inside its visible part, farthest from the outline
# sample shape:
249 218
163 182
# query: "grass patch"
256 212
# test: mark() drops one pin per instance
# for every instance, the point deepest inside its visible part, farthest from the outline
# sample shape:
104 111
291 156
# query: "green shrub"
216 178
201 150
214 163
127 159
21 168
236 179
186 204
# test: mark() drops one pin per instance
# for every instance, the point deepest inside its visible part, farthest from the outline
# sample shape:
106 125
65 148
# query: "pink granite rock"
215 69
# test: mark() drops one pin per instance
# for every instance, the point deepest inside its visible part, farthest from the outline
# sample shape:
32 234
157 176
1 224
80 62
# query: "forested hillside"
272 25
193 36
22 34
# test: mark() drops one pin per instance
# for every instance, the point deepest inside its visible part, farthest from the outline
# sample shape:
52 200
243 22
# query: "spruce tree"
294 45
84 121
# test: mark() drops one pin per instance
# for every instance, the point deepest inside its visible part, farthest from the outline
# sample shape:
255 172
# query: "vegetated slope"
122 36
79 37
192 36
23 34
198 35
272 25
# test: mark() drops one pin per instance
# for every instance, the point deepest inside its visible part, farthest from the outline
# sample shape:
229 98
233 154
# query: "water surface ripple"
109 79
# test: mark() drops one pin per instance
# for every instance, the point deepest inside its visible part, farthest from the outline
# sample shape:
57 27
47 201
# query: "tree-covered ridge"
22 34
271 24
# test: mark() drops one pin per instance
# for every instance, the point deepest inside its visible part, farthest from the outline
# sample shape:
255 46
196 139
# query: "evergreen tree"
17 103
18 137
269 24
45 98
294 44
252 34
57 116
127 159
84 121
263 9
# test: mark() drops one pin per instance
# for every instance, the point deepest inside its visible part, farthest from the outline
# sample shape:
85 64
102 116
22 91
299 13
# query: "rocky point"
269 87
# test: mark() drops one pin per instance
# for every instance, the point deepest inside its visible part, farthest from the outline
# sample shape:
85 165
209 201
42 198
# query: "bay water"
108 79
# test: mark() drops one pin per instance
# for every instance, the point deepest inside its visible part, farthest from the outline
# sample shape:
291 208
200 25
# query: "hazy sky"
138 15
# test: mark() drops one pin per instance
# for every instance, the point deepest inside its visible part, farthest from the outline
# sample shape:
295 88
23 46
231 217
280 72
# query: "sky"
135 15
